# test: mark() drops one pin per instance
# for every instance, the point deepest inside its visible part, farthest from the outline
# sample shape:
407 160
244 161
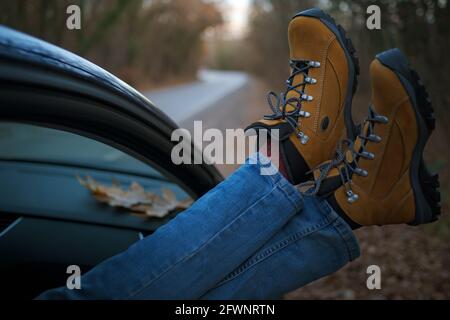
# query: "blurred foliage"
139 40
268 39
421 28
227 54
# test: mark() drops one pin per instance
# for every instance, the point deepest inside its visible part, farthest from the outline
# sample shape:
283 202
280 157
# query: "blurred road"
220 99
185 102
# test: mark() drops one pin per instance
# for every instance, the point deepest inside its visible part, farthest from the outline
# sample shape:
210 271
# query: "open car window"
55 174
49 220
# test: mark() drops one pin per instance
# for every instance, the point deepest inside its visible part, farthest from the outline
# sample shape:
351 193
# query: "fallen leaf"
135 198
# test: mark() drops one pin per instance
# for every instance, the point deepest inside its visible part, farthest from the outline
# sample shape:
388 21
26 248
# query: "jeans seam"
275 248
342 229
344 239
289 195
142 287
275 178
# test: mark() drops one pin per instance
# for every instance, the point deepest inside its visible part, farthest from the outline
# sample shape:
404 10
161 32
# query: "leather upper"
386 195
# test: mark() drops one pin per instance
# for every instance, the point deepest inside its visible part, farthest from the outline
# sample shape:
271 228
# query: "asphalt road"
220 99
192 101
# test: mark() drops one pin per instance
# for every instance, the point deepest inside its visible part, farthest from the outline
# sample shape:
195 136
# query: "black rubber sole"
352 60
425 185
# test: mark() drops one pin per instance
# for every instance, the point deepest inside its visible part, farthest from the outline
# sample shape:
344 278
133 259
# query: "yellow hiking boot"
382 178
315 109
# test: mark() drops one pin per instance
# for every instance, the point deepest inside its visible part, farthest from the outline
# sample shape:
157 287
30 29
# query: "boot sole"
352 60
425 185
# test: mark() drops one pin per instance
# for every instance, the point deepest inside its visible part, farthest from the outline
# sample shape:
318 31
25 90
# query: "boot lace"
346 167
278 103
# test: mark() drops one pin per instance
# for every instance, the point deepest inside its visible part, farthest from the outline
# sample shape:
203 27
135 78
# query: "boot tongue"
358 143
297 79
331 181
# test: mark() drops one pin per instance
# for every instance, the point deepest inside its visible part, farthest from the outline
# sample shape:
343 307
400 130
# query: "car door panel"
47 220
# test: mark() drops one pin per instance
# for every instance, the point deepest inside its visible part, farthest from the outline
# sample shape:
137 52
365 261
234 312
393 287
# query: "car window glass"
27 142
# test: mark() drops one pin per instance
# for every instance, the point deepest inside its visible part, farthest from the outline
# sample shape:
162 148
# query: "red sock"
281 165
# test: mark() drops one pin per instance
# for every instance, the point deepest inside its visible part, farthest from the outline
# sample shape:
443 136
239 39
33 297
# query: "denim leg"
191 254
315 243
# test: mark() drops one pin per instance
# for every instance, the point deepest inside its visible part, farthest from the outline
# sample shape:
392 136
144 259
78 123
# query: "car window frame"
38 86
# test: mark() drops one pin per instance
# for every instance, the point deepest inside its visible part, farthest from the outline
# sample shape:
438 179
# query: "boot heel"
424 101
430 188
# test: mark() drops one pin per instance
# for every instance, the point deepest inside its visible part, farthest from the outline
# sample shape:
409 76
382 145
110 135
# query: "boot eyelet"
361 172
303 138
382 119
304 114
352 197
368 155
374 138
310 80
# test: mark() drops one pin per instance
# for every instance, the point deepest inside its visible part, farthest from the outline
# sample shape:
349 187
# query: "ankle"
266 151
333 203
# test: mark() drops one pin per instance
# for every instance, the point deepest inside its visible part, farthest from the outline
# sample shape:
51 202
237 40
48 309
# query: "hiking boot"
382 178
316 107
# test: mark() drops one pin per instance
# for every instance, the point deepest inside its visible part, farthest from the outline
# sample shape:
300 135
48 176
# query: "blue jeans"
251 237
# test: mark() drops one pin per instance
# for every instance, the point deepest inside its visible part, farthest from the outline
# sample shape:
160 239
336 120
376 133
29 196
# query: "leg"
192 253
315 243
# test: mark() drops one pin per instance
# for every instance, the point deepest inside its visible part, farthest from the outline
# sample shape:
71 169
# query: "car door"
48 88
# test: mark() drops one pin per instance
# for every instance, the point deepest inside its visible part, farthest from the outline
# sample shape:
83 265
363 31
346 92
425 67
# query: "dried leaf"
169 195
135 199
151 211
